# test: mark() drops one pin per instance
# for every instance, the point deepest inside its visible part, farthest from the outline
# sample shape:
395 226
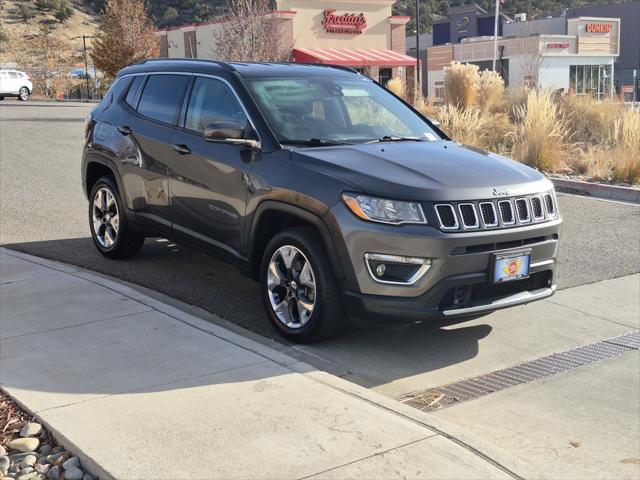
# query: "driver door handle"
125 130
181 148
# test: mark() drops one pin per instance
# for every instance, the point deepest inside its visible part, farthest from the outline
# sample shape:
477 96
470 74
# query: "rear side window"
13 75
132 94
162 97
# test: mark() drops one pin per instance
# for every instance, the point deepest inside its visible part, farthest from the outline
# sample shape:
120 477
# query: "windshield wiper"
396 138
314 142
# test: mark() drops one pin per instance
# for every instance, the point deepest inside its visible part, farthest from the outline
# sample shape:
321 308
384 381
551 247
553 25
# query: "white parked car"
14 83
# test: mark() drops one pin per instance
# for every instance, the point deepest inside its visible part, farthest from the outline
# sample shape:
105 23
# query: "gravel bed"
29 452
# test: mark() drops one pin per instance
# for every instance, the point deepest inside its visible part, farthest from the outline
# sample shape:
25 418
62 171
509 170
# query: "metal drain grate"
436 398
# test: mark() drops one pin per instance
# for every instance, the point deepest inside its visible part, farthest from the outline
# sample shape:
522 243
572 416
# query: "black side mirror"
224 130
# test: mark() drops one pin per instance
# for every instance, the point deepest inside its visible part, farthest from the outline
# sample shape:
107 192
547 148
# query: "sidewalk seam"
75 325
366 458
589 314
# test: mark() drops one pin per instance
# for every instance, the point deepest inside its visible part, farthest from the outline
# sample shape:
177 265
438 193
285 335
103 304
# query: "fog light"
396 269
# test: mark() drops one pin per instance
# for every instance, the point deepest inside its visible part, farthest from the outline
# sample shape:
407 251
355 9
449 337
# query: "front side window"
344 110
212 101
162 97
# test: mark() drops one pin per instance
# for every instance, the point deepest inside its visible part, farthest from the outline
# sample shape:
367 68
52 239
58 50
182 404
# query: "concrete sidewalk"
139 389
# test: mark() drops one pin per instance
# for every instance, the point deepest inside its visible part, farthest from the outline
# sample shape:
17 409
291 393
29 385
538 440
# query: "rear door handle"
181 148
125 130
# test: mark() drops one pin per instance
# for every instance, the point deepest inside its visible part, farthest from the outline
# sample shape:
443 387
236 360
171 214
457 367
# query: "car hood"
439 171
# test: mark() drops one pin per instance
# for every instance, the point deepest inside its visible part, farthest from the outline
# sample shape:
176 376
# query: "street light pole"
86 64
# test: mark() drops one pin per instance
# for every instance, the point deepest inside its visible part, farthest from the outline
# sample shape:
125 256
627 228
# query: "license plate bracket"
510 266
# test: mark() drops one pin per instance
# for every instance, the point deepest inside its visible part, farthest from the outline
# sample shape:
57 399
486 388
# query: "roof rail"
326 65
224 65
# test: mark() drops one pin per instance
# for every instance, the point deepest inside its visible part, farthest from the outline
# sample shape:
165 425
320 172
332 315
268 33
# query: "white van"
14 83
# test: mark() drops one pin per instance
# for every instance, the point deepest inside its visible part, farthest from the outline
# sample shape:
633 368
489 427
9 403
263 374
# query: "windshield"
324 111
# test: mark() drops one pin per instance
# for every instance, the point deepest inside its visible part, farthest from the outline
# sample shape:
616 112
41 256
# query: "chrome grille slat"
522 210
445 209
489 215
536 207
468 210
507 214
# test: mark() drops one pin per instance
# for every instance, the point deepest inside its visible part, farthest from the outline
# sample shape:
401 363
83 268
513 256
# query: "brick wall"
164 46
398 39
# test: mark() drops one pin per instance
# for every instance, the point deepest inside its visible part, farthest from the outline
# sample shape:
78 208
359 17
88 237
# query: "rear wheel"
299 289
111 233
23 94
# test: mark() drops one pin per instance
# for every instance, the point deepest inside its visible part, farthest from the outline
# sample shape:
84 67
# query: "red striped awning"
353 57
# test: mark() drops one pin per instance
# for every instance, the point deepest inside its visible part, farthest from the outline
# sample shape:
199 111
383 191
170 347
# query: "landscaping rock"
31 429
28 461
26 476
45 449
27 470
88 476
57 449
24 444
73 473
72 462
54 473
5 463
3 452
62 458
42 468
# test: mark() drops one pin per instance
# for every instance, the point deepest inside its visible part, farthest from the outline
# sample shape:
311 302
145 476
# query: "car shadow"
368 354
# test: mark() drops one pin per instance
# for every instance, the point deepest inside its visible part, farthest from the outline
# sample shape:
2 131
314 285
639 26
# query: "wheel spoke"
274 277
306 276
109 238
305 309
288 254
115 222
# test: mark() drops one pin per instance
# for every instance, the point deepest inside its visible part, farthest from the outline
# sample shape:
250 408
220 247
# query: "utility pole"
495 35
419 84
86 64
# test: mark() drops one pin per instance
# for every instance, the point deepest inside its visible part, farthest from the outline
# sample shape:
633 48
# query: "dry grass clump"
496 133
461 84
590 119
626 154
540 133
490 90
397 86
463 125
425 105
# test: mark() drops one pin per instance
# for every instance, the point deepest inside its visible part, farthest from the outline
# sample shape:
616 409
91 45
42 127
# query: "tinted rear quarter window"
162 96
132 94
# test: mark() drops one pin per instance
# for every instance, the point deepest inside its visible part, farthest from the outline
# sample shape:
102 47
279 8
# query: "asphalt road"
43 212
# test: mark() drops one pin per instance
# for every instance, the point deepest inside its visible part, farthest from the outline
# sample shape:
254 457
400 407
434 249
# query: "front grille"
523 210
551 208
447 216
470 295
536 206
468 214
494 213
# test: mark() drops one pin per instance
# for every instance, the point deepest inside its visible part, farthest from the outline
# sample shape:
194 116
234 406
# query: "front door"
206 179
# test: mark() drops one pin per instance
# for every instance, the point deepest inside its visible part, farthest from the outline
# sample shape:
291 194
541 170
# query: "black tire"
23 94
1 98
328 318
127 242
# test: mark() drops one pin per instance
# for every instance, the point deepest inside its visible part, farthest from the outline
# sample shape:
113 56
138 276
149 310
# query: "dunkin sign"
599 27
353 23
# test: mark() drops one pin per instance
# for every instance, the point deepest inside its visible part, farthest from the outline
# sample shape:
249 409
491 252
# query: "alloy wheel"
24 94
291 286
106 220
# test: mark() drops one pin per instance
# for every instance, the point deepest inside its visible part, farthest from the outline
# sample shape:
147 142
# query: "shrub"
397 86
496 133
461 124
25 12
540 133
590 119
490 90
461 84
626 155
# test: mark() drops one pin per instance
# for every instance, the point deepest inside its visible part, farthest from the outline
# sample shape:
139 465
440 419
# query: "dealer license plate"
511 266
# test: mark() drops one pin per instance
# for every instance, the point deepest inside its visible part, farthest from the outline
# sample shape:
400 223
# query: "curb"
597 190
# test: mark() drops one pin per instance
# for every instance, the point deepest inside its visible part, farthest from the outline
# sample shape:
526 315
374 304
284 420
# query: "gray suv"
338 197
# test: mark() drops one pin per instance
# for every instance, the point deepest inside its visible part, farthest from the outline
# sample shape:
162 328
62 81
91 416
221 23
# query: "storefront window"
385 76
590 79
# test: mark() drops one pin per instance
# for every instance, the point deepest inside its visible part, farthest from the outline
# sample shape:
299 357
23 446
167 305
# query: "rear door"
153 109
207 179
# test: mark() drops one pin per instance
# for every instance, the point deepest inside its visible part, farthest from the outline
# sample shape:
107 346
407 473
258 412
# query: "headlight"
382 210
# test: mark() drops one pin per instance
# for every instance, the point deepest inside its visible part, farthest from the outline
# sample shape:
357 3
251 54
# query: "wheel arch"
272 217
97 166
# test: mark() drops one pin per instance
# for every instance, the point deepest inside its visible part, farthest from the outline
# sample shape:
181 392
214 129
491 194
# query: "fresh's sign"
558 45
599 28
353 23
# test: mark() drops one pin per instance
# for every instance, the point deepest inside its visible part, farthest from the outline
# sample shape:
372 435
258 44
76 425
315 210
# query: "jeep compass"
338 197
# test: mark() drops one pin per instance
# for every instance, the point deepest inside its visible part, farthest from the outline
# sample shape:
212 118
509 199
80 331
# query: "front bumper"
460 261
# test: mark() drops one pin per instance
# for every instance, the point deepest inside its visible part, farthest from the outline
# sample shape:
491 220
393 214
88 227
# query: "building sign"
557 45
353 23
463 24
599 27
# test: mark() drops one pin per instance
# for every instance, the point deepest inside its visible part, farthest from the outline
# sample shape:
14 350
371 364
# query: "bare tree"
250 32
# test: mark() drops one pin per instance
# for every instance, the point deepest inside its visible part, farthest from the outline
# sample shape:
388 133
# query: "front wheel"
111 233
299 290
23 94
